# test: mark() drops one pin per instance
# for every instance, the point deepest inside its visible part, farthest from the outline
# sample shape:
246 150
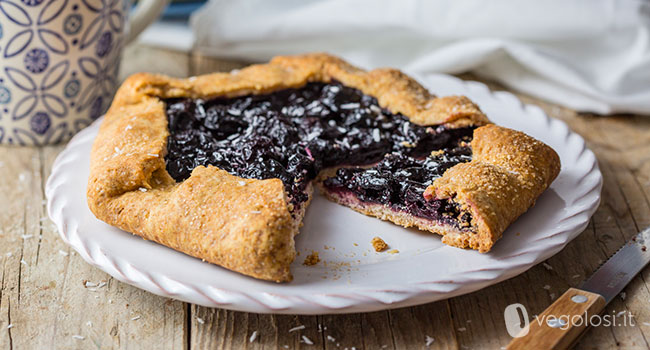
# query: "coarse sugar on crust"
250 227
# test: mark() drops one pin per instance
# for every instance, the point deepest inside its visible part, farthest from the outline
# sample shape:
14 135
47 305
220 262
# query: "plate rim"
358 300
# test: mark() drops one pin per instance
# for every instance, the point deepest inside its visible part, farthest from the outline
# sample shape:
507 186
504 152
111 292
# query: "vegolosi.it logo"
518 322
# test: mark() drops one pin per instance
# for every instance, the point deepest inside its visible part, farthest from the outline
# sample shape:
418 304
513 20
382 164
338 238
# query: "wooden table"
48 298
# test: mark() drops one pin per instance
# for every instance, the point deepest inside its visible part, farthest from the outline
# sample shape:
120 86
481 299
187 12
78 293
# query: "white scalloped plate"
354 278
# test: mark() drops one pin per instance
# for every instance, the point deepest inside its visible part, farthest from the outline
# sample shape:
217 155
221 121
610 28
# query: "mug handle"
143 15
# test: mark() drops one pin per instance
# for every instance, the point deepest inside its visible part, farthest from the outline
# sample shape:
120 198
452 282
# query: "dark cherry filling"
399 181
293 134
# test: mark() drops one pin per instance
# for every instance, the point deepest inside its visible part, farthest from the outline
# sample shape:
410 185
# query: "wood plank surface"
51 298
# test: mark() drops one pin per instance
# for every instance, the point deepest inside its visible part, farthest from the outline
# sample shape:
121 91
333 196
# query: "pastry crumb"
312 259
379 244
393 251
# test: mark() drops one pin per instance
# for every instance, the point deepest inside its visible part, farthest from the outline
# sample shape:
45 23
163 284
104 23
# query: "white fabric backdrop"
590 55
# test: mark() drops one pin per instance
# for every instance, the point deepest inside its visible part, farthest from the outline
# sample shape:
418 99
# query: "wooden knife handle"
558 327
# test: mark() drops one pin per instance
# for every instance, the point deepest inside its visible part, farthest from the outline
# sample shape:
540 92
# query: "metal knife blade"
611 277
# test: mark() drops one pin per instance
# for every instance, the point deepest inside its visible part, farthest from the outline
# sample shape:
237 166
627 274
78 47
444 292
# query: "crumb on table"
312 259
393 251
379 244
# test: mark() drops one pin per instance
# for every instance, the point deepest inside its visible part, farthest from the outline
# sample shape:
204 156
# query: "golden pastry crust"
393 89
242 224
508 171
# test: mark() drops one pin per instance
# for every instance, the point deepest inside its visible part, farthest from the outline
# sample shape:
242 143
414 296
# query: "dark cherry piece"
293 134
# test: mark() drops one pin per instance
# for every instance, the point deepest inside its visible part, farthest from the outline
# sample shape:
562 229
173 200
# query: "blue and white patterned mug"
59 61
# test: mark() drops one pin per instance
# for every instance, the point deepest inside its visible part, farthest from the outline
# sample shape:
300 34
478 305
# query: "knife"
559 326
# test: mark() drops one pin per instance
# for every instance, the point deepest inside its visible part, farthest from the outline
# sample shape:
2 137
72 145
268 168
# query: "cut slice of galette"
222 166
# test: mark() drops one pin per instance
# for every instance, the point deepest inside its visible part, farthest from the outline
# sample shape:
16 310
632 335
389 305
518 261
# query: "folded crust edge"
509 170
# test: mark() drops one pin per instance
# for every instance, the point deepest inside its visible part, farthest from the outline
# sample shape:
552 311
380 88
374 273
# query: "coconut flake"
351 105
78 337
547 266
312 135
63 252
253 337
428 341
405 128
93 287
297 328
375 135
135 318
10 326
200 320
307 340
